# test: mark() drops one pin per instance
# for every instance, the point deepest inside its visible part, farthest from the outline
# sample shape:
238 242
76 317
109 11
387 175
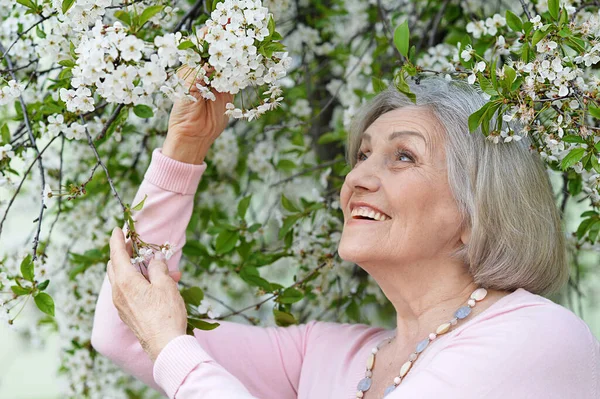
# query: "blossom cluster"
11 92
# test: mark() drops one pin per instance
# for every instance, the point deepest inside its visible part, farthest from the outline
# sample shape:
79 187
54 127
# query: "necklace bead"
461 313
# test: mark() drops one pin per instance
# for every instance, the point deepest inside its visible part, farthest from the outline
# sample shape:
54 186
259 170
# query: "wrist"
185 151
159 343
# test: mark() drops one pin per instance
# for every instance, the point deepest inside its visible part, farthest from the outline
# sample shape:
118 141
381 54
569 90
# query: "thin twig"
525 9
109 122
23 181
34 146
305 171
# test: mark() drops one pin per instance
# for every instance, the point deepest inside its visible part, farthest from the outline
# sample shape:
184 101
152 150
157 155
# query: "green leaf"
553 8
185 45
251 275
243 206
42 286
193 295
65 7
143 111
475 118
588 213
584 226
5 133
286 165
572 158
20 290
290 295
284 319
573 138
201 324
594 230
149 13
27 3
27 268
194 248
537 36
67 63
139 206
510 74
594 111
39 32
288 224
401 38
45 303
226 241
288 205
378 85
594 162
513 21
123 16
271 25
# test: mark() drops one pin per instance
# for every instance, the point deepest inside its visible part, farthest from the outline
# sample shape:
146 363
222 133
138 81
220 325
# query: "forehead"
415 119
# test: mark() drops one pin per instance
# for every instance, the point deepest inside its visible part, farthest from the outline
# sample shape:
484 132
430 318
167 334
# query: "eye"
400 154
404 154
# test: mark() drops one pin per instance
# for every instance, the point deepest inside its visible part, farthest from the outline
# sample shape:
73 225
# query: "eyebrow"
367 137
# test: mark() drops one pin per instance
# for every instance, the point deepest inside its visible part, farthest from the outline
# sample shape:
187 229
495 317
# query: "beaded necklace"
462 312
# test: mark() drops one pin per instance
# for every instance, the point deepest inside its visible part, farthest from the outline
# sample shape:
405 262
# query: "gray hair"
502 190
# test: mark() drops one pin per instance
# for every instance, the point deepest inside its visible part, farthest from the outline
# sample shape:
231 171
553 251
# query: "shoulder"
531 334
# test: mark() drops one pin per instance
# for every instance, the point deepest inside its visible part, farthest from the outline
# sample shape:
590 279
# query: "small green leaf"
288 205
589 213
19 290
185 45
42 286
139 206
378 85
65 7
584 226
149 13
594 111
513 21
123 16
475 118
537 36
271 25
27 268
401 38
39 32
288 224
27 3
572 158
553 8
201 324
193 295
143 111
284 319
573 138
510 73
226 241
290 295
243 206
45 303
5 133
251 275
286 165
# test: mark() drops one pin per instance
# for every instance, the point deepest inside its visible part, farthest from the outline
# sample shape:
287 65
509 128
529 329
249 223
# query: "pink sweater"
523 346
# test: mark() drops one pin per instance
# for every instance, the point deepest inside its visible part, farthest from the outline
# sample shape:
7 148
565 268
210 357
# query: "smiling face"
400 172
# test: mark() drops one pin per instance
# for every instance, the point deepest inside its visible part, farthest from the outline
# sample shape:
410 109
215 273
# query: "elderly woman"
462 235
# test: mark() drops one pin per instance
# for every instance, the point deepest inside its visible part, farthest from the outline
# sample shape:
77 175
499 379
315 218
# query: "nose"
363 177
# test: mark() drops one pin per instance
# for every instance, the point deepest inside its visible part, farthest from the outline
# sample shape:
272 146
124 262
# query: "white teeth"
368 212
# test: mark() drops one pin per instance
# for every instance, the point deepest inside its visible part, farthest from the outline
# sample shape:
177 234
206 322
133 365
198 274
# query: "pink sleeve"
234 360
524 356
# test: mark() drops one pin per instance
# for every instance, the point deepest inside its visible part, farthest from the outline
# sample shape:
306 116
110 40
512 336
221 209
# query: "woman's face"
400 171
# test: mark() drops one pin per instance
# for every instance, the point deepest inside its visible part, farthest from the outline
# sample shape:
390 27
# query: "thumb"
157 269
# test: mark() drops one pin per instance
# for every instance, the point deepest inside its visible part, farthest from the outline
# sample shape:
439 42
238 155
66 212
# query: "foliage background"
337 46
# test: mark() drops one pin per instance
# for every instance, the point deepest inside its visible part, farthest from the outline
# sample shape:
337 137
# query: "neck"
425 295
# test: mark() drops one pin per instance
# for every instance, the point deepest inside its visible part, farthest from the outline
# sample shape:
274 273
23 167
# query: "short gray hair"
502 190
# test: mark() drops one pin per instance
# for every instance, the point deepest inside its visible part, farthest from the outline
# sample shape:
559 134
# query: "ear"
465 237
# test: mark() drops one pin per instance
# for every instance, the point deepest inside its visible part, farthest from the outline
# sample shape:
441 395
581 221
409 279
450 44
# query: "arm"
535 352
265 360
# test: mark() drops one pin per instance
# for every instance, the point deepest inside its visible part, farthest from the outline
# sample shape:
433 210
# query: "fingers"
121 260
175 275
157 269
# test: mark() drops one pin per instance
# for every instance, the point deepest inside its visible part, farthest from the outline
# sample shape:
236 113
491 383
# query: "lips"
366 211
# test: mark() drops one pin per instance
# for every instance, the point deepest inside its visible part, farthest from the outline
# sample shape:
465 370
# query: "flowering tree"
86 88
